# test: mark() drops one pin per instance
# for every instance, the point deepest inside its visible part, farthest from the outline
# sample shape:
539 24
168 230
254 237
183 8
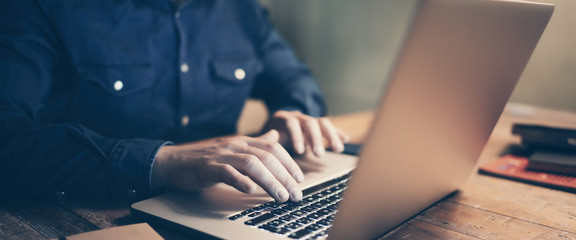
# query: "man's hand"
298 131
241 162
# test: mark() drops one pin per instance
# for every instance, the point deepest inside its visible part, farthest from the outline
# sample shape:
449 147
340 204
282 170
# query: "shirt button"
177 15
118 85
131 193
185 120
184 68
60 195
239 73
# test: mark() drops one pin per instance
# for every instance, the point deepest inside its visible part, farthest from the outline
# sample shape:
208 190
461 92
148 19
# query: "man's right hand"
241 162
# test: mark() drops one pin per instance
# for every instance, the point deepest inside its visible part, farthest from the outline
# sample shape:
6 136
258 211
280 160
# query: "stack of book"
548 158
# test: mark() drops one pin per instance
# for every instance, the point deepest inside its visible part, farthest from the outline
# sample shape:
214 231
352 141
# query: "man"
102 99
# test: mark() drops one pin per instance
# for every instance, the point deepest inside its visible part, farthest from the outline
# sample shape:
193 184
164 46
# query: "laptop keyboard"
309 218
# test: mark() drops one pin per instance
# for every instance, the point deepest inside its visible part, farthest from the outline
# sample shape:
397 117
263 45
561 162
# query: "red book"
514 168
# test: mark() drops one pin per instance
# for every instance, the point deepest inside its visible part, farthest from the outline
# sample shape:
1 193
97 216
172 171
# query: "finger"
281 155
313 133
275 166
295 132
227 174
271 135
251 166
344 136
331 134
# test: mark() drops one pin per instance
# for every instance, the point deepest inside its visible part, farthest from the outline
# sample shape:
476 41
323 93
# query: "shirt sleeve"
286 83
40 157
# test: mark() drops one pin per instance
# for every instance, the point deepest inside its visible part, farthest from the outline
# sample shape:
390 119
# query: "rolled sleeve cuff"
131 166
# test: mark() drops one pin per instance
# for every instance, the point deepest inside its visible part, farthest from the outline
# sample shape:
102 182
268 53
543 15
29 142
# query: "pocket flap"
237 71
119 79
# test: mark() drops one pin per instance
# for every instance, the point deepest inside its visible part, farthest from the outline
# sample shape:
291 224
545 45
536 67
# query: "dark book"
553 162
546 138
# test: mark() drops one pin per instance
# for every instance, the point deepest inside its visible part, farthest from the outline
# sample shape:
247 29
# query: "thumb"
271 135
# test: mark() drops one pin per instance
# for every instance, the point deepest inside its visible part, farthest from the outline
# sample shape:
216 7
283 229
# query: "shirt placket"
184 68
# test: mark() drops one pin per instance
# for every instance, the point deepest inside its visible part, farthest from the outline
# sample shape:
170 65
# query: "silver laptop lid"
460 62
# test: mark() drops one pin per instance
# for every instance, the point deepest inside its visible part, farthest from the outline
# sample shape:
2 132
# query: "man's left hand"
299 131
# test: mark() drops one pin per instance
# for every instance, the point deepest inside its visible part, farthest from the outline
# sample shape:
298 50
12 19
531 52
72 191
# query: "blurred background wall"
350 47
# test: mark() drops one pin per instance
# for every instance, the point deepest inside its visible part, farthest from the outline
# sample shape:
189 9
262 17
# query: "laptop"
458 65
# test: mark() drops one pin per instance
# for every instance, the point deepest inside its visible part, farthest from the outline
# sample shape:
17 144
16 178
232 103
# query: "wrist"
158 168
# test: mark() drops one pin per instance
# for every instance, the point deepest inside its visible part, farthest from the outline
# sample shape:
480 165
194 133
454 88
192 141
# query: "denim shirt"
90 90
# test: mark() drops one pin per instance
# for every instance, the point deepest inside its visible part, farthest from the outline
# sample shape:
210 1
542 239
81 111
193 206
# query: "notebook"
458 65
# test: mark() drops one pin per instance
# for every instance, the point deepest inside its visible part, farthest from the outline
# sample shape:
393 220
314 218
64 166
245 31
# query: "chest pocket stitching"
226 69
133 78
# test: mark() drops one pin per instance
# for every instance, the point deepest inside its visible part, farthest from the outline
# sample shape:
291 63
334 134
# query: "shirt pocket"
118 79
236 71
116 100
232 80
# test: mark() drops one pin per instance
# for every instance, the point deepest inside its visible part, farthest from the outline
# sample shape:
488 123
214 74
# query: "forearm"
39 159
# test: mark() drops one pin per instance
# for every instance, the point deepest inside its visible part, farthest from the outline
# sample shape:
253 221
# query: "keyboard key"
273 204
259 208
299 234
321 234
275 222
289 207
286 218
258 220
324 211
308 209
297 204
309 199
274 229
318 195
247 212
236 217
297 213
293 225
278 211
304 220
254 214
324 222
314 216
317 205
327 191
333 198
334 189
314 227
332 207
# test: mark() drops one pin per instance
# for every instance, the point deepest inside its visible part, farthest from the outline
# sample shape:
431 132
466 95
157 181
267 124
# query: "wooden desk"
485 208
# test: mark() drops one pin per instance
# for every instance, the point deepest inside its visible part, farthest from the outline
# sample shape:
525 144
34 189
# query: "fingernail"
282 195
299 176
339 147
273 135
300 149
296 194
319 151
